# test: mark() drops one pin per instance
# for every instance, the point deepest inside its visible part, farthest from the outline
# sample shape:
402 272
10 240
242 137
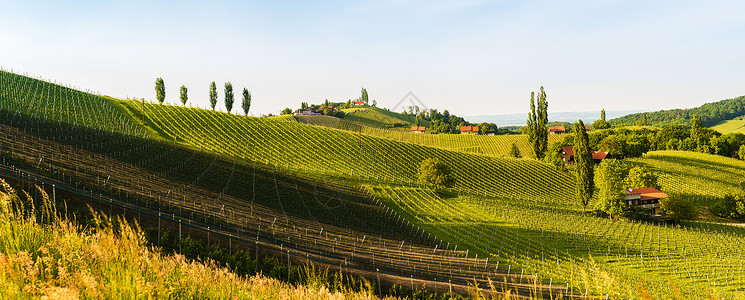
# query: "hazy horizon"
470 57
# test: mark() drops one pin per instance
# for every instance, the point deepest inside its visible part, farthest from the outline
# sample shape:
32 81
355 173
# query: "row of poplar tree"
160 94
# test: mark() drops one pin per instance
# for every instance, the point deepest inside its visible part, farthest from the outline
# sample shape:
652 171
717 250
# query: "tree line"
709 114
229 97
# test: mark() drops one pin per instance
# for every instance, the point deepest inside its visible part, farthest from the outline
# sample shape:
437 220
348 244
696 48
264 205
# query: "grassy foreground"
61 260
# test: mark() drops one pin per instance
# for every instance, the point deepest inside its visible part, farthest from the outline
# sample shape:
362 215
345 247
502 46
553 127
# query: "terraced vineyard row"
480 144
560 244
323 223
34 98
348 156
246 195
700 177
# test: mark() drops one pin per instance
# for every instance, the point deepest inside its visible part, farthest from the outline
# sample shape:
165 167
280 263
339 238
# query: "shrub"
732 206
678 208
433 172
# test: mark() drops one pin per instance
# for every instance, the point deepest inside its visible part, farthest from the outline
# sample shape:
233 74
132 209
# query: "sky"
472 57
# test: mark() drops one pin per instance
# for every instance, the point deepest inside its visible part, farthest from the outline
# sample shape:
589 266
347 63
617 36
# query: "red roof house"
568 154
557 130
359 102
469 130
418 129
647 198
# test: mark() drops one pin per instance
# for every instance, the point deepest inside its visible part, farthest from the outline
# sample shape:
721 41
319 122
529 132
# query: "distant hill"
710 114
571 116
382 118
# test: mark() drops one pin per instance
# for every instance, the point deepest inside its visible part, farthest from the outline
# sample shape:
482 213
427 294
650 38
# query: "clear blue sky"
471 57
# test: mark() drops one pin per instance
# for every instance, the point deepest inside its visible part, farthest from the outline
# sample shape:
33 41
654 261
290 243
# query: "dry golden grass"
61 260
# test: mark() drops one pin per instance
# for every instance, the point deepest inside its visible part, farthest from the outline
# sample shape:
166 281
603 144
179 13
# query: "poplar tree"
213 95
537 119
184 96
363 97
583 165
160 90
229 99
246 101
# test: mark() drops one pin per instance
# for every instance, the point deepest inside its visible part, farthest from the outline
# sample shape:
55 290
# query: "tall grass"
42 253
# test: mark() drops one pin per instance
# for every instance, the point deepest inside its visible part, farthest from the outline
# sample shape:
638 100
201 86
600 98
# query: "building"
647 198
469 130
304 111
568 154
556 130
417 129
359 102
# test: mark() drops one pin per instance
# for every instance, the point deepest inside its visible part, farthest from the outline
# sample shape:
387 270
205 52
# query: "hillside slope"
64 260
710 114
496 145
736 125
698 176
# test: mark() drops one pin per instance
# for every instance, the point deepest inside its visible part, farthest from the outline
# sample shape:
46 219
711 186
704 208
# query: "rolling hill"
710 114
349 200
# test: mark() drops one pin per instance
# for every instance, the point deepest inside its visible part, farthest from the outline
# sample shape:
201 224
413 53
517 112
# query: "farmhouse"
417 129
469 130
304 111
556 130
359 102
568 154
647 198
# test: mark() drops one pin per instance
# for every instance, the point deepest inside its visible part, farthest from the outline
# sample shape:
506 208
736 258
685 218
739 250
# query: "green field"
328 189
497 145
381 118
729 126
700 177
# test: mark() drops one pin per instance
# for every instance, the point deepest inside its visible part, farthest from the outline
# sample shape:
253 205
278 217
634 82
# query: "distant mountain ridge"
710 114
520 119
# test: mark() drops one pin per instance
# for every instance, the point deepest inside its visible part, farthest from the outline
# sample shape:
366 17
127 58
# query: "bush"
678 208
731 206
433 172
514 151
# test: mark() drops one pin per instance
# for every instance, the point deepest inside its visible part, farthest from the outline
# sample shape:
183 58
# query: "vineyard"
698 176
314 214
345 196
497 146
343 155
592 255
729 126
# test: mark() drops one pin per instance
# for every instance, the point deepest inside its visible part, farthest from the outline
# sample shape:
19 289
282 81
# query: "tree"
601 124
363 97
435 173
286 111
609 181
514 151
678 208
213 95
731 205
537 119
696 130
416 121
614 144
741 152
553 157
375 103
184 95
246 105
584 165
640 177
160 90
229 96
